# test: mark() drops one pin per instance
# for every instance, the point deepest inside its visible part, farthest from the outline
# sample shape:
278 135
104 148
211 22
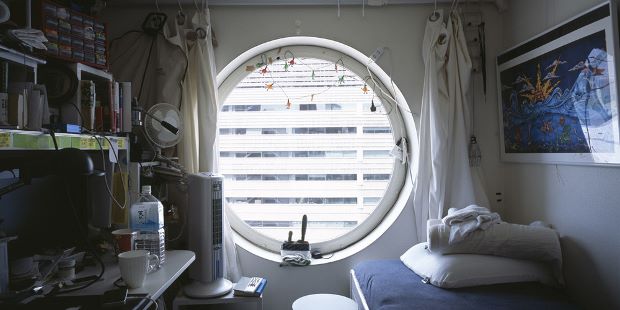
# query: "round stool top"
324 302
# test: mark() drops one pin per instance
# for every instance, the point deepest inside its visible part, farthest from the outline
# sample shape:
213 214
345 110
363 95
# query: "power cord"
87 243
120 169
294 260
103 160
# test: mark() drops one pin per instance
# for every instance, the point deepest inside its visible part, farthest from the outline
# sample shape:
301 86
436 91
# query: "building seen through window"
325 155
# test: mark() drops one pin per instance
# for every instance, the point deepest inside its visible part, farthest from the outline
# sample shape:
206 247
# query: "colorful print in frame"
558 94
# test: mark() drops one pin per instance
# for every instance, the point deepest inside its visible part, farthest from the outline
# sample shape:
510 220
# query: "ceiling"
279 2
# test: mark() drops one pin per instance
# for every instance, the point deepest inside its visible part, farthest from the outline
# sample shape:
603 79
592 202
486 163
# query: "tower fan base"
216 288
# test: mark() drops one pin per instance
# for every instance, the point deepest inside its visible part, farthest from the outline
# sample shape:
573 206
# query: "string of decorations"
289 60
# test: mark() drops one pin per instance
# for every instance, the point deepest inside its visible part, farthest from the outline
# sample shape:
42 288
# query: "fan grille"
155 132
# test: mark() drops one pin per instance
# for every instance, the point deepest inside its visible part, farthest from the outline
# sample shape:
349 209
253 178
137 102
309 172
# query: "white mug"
135 265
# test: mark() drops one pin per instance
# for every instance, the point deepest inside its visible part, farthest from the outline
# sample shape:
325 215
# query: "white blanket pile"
532 242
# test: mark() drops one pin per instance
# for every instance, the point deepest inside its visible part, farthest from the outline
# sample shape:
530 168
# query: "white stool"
324 302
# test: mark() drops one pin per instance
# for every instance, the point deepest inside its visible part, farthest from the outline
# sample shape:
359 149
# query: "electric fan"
163 126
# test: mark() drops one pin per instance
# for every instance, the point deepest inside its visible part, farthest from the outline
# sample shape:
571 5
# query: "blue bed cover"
390 285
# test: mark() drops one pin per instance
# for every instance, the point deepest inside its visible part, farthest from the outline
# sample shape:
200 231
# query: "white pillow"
463 270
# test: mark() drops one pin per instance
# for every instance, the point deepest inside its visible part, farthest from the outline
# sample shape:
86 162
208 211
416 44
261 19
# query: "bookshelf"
35 140
84 72
21 59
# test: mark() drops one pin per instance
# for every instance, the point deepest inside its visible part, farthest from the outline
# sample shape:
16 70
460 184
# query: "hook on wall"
435 15
181 18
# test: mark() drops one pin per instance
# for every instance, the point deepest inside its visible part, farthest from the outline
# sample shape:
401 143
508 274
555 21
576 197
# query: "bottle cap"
146 189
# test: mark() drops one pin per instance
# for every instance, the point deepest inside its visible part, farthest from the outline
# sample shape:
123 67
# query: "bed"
390 285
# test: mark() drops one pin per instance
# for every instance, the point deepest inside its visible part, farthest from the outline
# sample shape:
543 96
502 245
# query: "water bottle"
148 213
147 217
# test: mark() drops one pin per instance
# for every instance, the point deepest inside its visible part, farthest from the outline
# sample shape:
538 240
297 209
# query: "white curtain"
444 178
199 108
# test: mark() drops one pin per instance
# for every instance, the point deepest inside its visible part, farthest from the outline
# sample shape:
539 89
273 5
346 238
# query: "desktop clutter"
138 251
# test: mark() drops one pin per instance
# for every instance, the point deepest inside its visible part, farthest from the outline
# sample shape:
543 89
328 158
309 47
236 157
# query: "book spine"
117 109
4 109
16 109
87 102
4 77
99 116
126 104
109 111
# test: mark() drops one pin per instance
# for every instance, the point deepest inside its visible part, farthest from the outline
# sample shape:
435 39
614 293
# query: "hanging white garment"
199 109
153 65
444 177
464 185
428 195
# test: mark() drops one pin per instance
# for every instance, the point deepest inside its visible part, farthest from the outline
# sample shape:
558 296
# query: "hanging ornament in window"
263 71
312 74
365 89
373 108
341 79
288 104
269 86
292 62
250 68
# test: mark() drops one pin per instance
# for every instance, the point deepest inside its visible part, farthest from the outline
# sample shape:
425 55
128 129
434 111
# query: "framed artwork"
558 93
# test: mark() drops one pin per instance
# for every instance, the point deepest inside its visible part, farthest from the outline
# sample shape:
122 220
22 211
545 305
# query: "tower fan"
205 236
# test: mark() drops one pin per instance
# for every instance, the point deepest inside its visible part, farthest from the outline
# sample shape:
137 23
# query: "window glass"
315 126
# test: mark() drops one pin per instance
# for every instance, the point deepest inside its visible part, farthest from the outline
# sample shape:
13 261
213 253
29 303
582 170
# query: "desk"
156 283
182 300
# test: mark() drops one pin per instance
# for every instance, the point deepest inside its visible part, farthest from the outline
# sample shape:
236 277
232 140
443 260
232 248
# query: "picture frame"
558 94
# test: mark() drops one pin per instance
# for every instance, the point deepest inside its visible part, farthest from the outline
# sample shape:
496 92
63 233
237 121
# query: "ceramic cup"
134 266
124 240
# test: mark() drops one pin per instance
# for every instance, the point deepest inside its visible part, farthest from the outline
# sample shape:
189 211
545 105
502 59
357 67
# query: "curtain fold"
444 178
199 108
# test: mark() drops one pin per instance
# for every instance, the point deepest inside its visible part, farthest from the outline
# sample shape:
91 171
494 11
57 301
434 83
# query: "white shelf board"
19 57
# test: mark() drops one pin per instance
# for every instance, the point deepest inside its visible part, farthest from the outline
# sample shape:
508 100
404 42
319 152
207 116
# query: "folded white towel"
464 221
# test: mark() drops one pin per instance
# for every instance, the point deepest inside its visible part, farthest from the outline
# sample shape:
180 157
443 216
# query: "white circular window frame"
400 186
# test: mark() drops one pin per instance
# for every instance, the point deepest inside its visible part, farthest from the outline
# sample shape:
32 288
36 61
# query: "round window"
305 130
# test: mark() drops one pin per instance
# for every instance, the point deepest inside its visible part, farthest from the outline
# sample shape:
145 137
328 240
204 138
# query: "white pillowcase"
463 270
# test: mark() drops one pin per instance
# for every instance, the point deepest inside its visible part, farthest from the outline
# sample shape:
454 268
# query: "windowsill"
351 250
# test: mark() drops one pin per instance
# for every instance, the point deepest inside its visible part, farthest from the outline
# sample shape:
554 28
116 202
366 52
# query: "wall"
401 28
582 202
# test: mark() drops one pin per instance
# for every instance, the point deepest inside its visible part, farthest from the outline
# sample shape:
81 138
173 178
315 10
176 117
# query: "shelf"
80 69
35 140
19 57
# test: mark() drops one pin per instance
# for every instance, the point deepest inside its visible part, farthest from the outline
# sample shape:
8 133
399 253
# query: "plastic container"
148 213
147 217
66 269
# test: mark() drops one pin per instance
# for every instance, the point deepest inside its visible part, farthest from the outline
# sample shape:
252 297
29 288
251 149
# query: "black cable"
146 67
53 135
81 115
105 174
125 184
89 247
